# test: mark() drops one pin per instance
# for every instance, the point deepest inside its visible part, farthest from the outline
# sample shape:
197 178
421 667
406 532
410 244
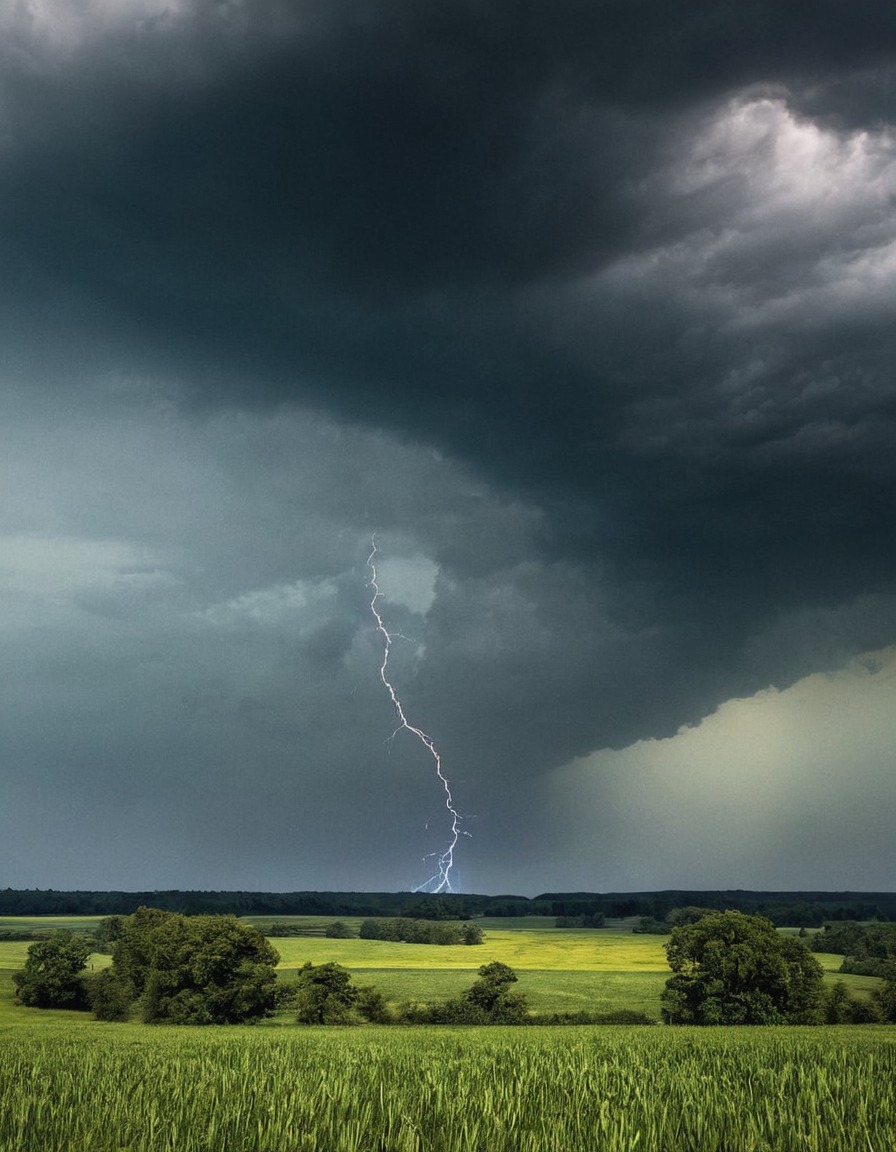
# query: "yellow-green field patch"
560 950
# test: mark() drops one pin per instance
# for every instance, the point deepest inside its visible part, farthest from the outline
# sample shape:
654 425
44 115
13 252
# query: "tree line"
407 931
811 909
867 949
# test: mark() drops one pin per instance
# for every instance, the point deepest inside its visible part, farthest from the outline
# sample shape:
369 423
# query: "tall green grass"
131 1089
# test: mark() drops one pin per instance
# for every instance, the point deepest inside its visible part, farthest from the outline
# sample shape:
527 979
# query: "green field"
47 923
127 1088
69 1083
560 970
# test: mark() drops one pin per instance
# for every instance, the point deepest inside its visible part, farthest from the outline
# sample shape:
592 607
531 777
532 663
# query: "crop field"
126 1087
69 1083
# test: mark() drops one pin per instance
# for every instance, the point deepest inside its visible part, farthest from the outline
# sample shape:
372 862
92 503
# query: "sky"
582 312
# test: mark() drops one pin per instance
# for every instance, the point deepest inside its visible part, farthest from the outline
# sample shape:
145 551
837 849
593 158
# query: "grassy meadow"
69 1083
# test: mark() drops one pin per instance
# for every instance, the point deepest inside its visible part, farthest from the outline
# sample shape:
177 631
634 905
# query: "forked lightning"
441 880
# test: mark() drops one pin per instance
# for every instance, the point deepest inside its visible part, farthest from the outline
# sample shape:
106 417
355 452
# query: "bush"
371 1006
619 1016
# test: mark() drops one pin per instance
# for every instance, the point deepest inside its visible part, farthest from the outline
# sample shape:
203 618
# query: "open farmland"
71 1084
560 970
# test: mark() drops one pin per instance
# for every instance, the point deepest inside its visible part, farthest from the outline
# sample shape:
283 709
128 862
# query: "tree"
51 977
209 970
689 914
371 1005
133 947
186 970
491 994
410 931
325 994
732 968
473 934
107 932
839 1006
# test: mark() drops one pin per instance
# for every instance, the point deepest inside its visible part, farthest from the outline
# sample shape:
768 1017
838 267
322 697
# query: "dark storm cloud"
608 286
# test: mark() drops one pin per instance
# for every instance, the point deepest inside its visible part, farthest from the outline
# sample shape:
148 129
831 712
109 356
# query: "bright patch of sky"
750 787
408 580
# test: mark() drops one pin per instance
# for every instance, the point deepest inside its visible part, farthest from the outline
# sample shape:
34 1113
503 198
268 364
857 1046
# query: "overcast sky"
586 309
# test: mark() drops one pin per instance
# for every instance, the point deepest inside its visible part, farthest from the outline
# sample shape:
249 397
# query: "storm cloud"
586 309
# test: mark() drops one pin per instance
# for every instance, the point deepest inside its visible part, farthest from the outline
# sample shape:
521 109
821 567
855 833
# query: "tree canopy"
732 968
325 994
51 977
187 970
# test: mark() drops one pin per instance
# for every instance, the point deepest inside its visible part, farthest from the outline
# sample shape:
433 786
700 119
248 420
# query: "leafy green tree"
107 932
186 970
732 968
493 983
649 926
488 1001
51 977
492 996
836 1004
133 947
402 928
208 970
839 1006
325 994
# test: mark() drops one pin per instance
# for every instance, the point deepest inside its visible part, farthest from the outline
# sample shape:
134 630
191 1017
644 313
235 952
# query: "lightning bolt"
441 880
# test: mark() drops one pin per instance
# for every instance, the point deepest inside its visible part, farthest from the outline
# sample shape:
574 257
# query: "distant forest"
809 909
